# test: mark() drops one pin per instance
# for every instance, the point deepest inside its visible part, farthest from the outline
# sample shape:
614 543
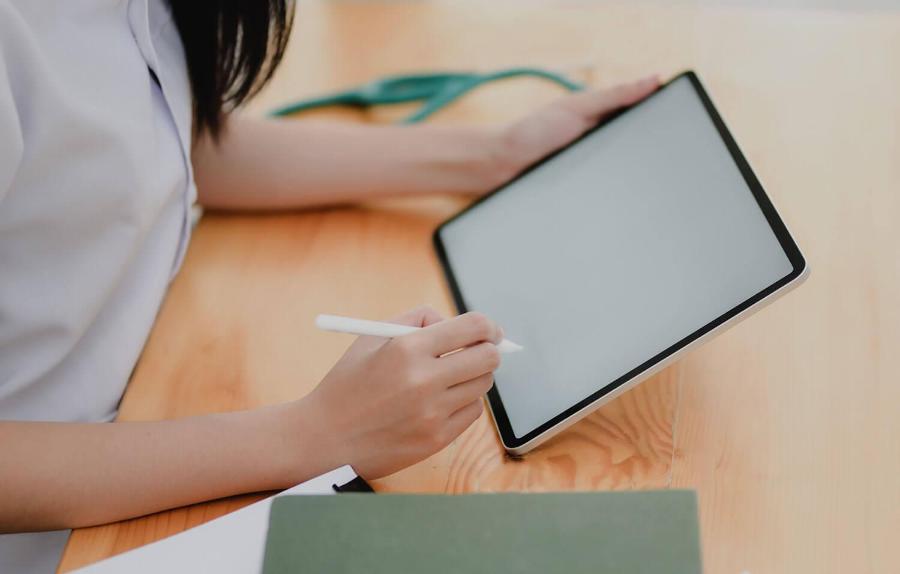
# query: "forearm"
271 164
65 475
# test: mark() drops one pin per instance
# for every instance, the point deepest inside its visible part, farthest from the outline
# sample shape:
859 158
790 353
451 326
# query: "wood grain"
787 425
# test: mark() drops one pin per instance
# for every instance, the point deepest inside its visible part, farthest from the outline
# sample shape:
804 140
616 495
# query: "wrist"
501 162
309 445
470 159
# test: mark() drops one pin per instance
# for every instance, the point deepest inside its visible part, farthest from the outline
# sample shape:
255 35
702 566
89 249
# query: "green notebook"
617 532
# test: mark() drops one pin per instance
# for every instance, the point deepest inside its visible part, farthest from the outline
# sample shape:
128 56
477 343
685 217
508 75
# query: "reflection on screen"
613 251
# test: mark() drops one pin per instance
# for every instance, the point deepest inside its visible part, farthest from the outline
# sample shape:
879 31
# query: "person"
115 117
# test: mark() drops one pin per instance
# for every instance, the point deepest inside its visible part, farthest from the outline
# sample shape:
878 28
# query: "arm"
68 475
409 401
271 164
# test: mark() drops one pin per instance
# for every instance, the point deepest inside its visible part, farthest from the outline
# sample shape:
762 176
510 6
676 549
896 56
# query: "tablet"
610 258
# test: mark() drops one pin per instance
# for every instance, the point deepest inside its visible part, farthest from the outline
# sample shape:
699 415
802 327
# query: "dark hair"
232 47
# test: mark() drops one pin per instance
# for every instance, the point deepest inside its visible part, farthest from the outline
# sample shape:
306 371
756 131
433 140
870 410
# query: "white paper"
233 543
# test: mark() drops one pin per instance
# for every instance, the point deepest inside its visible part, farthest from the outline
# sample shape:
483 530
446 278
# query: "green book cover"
652 532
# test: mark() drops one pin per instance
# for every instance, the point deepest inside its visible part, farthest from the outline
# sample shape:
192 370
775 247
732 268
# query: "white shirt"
95 190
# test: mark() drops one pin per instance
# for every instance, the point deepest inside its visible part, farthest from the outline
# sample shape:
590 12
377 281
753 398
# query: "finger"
463 418
460 332
419 317
462 394
422 316
467 364
595 104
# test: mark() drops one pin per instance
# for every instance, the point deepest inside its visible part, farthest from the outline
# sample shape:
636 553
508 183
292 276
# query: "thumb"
594 104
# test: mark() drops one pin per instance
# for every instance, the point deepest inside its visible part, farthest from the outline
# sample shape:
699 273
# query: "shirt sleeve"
12 143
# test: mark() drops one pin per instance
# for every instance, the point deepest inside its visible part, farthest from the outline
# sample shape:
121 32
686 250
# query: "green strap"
435 90
455 91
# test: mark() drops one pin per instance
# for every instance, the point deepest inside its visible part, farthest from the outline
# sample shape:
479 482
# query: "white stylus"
387 330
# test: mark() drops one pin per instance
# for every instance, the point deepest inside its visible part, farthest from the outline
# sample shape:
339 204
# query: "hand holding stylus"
389 403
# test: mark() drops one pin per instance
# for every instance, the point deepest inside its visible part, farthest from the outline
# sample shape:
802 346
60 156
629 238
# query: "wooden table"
787 425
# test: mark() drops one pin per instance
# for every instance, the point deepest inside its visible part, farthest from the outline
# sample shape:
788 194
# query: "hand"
541 133
391 403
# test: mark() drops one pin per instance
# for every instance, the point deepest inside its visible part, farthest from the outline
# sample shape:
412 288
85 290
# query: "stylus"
389 330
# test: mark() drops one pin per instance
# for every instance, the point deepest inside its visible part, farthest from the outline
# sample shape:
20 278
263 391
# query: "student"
115 116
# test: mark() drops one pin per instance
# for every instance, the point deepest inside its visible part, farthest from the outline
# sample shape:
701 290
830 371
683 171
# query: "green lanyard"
436 91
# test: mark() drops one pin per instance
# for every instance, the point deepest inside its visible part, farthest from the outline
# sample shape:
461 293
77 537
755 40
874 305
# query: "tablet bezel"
655 363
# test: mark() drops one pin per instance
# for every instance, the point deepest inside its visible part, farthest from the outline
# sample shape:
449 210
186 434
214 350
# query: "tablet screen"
611 252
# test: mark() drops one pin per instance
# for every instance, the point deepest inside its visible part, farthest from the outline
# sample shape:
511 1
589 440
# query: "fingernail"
501 333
